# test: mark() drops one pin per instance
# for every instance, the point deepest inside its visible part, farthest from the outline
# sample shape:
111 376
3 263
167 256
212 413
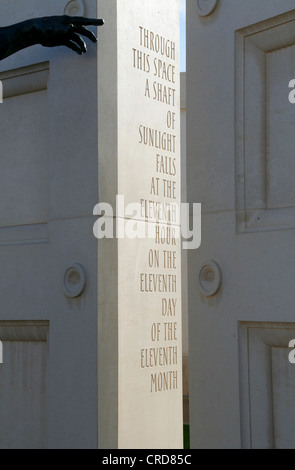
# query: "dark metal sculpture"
48 31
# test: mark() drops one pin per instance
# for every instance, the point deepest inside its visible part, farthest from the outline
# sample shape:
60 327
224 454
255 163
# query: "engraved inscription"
154 56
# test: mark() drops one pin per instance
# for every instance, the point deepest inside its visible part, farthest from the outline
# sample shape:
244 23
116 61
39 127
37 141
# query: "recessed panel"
283 386
264 121
280 129
23 147
23 385
267 381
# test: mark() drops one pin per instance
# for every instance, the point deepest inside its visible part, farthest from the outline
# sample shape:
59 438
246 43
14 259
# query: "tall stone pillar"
139 287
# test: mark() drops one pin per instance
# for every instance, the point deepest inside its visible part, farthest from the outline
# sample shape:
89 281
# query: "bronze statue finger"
81 21
85 32
79 41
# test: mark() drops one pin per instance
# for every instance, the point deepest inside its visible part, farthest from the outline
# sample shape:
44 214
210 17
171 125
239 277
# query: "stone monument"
90 326
240 160
139 158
